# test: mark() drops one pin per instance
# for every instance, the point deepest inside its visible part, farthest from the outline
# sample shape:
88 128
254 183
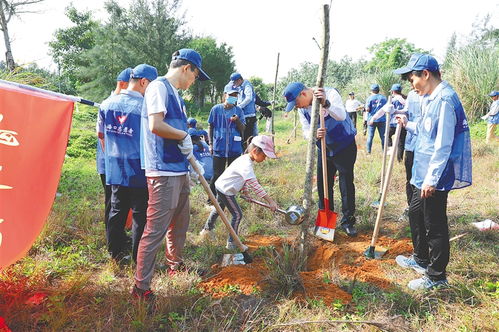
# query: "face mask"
231 100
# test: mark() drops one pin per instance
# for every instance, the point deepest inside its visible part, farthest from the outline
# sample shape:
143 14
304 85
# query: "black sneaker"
123 260
349 229
143 295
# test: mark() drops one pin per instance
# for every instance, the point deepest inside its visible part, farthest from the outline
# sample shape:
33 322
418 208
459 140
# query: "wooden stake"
273 97
311 148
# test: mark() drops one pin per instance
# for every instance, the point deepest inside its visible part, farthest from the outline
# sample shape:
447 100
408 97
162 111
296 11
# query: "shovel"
325 223
371 252
228 259
375 204
293 215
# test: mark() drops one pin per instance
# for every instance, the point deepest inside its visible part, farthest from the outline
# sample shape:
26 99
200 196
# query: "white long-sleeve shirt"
335 110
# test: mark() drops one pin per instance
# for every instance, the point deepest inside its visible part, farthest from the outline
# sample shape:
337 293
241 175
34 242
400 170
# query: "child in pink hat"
240 176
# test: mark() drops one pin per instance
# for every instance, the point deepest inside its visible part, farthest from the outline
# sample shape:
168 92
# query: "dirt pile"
327 263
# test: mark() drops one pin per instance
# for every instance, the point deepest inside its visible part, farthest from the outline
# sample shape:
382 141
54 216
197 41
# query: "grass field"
67 282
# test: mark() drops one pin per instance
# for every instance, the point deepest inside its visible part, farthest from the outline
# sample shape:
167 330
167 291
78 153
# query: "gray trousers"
167 216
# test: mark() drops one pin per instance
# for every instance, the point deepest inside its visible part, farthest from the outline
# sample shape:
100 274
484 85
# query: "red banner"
34 132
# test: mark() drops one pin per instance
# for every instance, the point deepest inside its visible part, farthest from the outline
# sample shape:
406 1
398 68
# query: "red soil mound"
345 257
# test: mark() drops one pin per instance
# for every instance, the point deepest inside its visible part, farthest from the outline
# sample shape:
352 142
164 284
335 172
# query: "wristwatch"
326 104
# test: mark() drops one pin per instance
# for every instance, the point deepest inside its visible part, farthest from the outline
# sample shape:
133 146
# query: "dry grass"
86 292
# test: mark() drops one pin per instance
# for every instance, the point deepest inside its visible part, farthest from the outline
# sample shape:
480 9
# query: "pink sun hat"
266 144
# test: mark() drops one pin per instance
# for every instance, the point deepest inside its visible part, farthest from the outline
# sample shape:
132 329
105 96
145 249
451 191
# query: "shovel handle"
386 183
385 146
261 204
220 212
323 157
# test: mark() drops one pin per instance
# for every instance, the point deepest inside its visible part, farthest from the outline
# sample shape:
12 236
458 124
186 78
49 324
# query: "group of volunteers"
146 143
145 146
437 150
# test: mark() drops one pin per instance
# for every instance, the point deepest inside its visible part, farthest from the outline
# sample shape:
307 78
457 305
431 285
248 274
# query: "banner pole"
51 93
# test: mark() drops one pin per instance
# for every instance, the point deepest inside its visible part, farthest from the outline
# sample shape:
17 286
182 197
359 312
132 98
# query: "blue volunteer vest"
339 134
122 140
457 171
226 137
250 109
99 159
158 153
375 102
413 114
205 158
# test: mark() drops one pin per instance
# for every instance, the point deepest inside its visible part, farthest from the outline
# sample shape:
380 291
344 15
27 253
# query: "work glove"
485 117
185 146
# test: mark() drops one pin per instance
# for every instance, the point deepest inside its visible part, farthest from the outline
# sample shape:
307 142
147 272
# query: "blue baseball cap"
374 87
194 58
229 88
291 92
145 71
419 61
235 77
193 132
494 93
396 87
124 76
191 122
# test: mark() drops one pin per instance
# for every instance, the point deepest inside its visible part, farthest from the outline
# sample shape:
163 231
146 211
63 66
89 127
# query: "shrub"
474 72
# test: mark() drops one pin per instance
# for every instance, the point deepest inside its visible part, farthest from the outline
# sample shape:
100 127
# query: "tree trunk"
9 59
311 147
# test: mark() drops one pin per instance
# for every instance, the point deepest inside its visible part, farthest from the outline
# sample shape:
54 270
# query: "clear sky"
258 29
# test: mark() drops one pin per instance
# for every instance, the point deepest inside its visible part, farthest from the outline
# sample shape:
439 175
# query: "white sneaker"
231 245
426 283
206 235
409 262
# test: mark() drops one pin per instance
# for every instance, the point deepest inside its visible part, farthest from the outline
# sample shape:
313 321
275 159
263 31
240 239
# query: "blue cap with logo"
124 76
374 87
191 122
418 62
145 71
235 76
494 93
291 92
229 88
396 87
194 58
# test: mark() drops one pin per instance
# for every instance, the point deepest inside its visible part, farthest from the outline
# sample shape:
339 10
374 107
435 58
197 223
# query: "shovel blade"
375 252
324 233
326 218
325 224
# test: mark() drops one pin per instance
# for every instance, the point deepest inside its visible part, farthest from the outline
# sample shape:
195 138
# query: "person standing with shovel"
165 150
341 149
442 162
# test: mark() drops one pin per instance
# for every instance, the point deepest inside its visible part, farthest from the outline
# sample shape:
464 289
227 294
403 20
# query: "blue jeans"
370 135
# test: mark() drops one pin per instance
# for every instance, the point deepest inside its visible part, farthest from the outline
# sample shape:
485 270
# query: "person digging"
340 142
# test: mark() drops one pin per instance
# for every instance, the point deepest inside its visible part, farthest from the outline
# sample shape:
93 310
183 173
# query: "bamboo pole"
273 97
311 148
